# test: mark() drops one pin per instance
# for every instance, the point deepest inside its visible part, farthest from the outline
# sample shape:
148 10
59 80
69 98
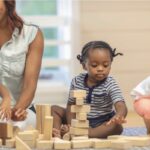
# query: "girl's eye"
93 65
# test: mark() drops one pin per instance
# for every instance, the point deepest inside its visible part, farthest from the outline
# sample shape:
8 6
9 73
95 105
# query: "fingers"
116 119
56 133
5 114
19 114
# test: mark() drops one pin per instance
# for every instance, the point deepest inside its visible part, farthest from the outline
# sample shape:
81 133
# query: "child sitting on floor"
102 94
141 96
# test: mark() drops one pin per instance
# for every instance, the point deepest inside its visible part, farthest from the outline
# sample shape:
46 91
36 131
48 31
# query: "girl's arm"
121 108
31 74
121 112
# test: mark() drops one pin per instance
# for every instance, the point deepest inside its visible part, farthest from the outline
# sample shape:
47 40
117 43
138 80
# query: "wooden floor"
133 120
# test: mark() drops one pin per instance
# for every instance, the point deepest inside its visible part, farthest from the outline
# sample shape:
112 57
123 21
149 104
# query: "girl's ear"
84 66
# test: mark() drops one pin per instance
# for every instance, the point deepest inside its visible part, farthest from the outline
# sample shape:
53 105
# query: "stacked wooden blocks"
80 125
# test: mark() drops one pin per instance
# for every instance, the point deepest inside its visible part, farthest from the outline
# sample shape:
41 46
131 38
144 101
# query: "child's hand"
116 119
5 109
19 114
64 129
56 133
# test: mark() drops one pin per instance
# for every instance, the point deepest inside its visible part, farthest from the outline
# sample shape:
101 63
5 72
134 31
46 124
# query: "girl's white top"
13 58
142 89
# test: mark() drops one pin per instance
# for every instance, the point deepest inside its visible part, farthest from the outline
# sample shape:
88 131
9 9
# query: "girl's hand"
118 119
64 129
5 109
56 133
19 114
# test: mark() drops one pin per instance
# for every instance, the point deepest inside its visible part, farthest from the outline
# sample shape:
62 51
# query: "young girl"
5 109
102 93
141 95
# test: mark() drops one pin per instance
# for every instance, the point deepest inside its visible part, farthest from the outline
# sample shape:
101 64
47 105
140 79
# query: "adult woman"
21 49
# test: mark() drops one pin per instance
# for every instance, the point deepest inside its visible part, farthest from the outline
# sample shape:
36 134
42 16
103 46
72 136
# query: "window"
53 17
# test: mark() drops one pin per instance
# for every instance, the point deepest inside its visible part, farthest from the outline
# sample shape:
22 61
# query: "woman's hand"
5 109
118 119
19 114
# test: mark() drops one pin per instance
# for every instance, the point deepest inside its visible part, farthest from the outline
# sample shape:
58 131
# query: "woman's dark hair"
93 45
13 19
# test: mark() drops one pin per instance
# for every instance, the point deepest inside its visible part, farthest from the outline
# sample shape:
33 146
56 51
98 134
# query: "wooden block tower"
79 126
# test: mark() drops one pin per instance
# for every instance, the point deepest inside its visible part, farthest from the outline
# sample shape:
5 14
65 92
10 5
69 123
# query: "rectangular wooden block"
62 144
44 144
10 143
26 136
6 130
121 144
42 110
81 116
79 101
85 137
98 143
138 141
78 93
81 143
80 109
48 126
78 131
0 142
79 124
20 144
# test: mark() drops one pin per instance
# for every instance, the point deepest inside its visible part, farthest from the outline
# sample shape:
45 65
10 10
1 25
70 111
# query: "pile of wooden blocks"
80 125
41 137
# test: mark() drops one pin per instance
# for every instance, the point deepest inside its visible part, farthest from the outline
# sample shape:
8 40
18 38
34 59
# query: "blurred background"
68 24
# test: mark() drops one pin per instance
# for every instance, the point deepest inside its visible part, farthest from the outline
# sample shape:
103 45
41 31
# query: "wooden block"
26 136
81 143
111 137
21 144
79 124
62 144
85 137
0 142
44 144
81 116
16 130
42 110
121 144
79 101
78 93
138 141
98 143
48 126
31 144
10 143
39 118
80 109
67 137
78 131
6 130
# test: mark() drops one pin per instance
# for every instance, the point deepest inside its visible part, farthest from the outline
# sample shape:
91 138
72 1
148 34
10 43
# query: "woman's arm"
3 92
31 73
5 108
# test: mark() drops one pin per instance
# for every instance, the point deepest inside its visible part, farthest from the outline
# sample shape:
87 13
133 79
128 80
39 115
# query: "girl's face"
98 65
3 11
